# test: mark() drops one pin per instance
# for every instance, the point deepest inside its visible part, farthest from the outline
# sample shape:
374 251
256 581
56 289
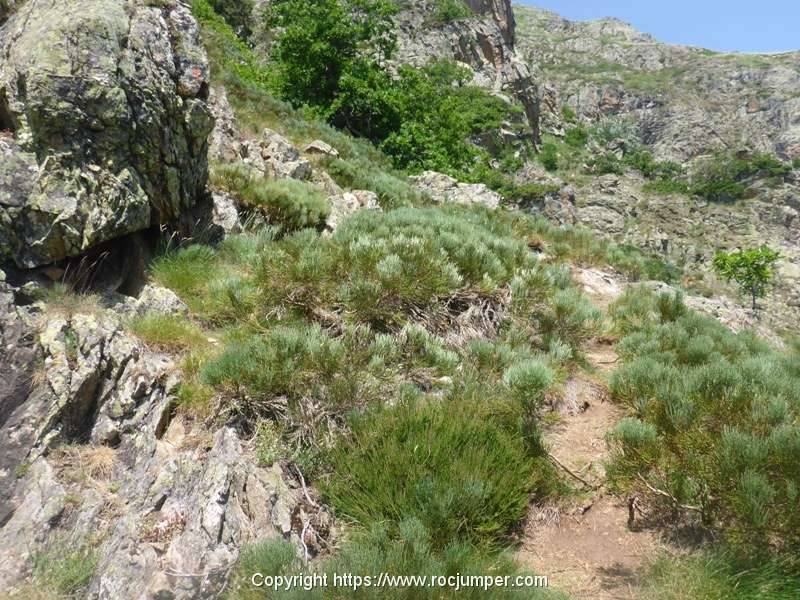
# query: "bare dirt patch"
586 547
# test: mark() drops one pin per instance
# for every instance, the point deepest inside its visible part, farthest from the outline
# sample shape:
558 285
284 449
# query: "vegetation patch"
713 422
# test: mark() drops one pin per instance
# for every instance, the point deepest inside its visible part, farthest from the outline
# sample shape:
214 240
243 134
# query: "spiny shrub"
380 266
287 203
297 362
714 421
464 478
544 296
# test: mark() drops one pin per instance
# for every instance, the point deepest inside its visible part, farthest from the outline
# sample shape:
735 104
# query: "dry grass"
92 463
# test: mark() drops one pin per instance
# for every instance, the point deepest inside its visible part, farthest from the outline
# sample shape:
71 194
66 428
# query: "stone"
320 147
184 499
225 214
345 204
281 158
223 142
443 188
105 103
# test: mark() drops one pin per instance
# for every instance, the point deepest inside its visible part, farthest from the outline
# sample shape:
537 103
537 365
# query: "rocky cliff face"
686 101
484 43
103 123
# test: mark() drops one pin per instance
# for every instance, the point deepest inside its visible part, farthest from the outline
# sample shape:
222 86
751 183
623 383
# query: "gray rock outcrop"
443 188
94 454
104 118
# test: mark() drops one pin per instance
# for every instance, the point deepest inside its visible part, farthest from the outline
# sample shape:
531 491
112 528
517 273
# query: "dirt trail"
586 548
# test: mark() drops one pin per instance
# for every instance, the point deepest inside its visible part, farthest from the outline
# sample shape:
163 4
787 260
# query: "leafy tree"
319 41
237 13
751 269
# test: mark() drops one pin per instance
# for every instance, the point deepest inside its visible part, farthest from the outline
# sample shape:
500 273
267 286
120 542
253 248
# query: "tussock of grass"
719 577
287 204
377 550
169 332
463 478
64 568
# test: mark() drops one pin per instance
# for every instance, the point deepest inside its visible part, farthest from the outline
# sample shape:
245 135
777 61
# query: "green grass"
287 204
465 478
168 332
64 568
376 550
717 576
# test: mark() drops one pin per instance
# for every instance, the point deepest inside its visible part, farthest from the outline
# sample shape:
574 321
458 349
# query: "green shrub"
605 163
447 11
548 156
404 550
379 267
715 425
577 137
568 114
666 187
752 269
725 176
237 13
464 478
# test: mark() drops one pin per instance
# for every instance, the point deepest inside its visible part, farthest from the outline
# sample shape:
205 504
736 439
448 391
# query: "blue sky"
729 25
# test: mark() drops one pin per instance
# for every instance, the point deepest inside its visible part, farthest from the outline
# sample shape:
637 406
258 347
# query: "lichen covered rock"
103 105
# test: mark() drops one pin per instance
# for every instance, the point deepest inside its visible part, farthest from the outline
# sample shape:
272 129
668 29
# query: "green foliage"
568 114
321 41
330 56
751 269
168 332
286 203
237 13
580 245
64 568
577 137
605 163
714 422
724 176
464 478
796 162
407 551
447 11
720 576
548 156
434 134
381 266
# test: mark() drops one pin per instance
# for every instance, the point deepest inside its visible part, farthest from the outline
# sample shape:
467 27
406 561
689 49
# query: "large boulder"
445 189
104 123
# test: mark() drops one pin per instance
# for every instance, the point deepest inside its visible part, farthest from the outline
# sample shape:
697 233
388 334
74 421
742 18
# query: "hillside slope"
687 101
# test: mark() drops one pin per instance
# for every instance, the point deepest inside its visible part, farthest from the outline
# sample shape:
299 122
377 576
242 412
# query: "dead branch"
561 465
665 494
